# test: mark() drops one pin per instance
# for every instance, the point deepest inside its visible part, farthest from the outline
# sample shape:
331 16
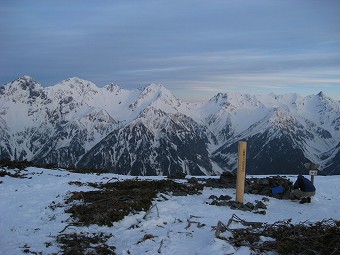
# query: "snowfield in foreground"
29 222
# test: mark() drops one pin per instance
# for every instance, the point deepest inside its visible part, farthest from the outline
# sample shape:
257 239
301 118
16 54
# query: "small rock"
265 199
250 205
223 203
215 202
261 212
224 197
260 205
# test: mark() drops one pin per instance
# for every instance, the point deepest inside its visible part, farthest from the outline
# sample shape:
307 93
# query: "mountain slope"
148 131
156 143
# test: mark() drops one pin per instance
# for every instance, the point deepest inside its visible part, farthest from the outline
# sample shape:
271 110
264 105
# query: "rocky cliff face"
148 131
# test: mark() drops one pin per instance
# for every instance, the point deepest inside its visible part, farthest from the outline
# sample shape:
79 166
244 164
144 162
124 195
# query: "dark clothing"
304 184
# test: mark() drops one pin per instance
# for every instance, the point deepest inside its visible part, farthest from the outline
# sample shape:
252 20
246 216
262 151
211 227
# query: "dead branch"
69 225
160 246
148 211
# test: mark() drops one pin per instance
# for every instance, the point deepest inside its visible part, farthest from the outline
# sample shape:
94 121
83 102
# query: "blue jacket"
303 184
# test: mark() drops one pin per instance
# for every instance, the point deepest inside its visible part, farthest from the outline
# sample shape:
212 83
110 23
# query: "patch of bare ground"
85 244
109 203
308 238
113 201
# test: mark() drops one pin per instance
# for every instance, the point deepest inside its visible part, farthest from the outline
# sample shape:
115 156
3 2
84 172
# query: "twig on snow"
148 212
160 246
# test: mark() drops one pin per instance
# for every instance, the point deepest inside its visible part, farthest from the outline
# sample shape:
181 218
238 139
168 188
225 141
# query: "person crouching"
303 189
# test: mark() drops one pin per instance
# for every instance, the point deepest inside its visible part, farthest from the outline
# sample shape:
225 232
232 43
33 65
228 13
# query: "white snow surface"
28 221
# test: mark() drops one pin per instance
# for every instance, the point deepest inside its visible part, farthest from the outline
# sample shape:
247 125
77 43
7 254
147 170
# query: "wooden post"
241 171
313 170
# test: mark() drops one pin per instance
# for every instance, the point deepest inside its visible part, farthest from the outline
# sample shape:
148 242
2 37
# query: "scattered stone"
261 212
260 205
258 186
225 197
237 206
223 203
250 205
264 186
265 199
215 202
17 174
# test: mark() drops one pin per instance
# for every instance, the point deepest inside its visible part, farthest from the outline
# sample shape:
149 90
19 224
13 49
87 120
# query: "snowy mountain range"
148 131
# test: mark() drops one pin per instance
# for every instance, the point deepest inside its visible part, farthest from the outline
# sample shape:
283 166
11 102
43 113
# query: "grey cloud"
192 42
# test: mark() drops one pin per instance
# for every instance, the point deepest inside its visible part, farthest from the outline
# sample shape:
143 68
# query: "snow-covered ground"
27 219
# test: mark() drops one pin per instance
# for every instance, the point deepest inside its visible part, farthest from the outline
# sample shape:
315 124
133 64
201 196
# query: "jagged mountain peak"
321 94
157 96
227 95
112 87
24 89
80 90
324 106
234 100
76 83
155 90
24 83
219 98
25 78
153 87
74 79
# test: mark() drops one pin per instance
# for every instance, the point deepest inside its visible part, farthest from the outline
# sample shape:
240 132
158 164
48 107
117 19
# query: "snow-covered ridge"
69 119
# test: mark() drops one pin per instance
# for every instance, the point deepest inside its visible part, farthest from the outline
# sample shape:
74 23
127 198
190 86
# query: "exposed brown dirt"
115 200
83 244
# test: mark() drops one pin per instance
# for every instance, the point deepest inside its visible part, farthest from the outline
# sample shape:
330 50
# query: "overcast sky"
195 48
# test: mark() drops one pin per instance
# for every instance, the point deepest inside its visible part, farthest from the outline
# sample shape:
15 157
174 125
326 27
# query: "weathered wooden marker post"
241 171
313 170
